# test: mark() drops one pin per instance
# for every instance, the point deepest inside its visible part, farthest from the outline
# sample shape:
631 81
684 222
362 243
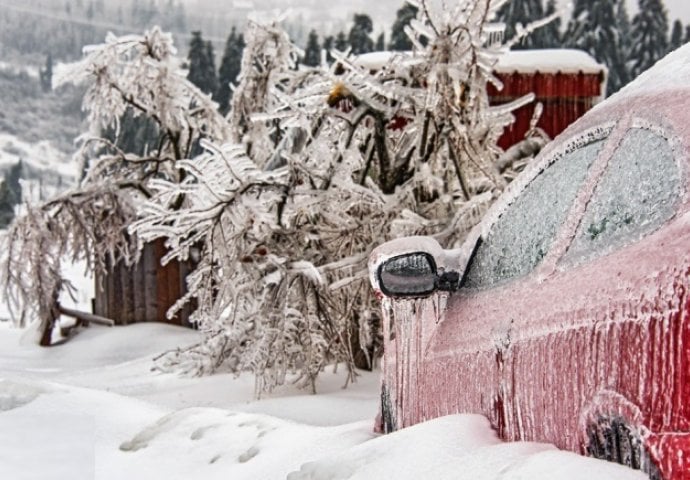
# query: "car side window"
637 193
522 235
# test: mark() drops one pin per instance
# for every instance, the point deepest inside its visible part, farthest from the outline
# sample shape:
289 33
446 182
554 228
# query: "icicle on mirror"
409 275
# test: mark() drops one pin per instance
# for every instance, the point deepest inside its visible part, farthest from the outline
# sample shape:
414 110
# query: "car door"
627 269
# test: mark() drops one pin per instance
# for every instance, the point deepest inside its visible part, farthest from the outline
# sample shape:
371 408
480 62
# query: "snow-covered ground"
93 408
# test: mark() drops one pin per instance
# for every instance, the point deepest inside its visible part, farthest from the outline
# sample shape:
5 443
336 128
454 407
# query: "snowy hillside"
41 158
93 408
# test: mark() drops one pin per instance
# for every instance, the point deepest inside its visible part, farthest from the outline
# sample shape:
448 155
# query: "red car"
565 317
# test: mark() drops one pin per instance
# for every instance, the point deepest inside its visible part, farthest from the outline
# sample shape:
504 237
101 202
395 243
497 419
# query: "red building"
145 291
566 82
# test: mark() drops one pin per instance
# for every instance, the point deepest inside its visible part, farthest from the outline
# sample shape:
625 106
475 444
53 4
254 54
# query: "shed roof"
521 61
548 61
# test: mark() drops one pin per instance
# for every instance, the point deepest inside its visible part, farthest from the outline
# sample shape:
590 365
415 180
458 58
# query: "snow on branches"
139 77
129 77
87 224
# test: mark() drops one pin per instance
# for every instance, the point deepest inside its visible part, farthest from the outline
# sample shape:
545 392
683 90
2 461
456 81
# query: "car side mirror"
409 275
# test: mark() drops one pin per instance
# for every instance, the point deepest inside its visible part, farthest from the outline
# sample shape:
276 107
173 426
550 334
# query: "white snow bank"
135 423
95 347
458 447
83 434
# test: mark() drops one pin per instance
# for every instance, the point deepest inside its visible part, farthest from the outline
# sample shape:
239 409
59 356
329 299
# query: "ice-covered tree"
134 75
321 167
649 35
314 167
399 39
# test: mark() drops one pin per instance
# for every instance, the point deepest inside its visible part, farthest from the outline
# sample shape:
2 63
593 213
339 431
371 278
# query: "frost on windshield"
636 195
522 236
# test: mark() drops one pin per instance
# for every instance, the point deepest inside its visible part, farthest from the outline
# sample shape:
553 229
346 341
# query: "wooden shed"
566 82
144 292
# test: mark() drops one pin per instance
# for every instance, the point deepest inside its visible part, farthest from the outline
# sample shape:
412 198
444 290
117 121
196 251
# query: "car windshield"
522 235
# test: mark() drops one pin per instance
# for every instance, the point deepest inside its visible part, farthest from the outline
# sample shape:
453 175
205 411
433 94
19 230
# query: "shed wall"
564 96
145 291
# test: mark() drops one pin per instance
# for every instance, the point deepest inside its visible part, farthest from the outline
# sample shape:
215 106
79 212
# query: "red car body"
588 348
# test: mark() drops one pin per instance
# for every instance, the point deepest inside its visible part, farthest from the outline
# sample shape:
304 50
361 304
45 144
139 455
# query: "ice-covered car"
565 316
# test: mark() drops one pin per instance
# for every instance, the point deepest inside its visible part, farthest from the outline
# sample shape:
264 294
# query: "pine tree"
211 76
551 33
46 74
328 44
380 45
520 14
593 30
6 205
229 69
649 36
202 71
359 38
13 181
399 39
10 194
312 54
687 34
624 27
676 35
341 42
